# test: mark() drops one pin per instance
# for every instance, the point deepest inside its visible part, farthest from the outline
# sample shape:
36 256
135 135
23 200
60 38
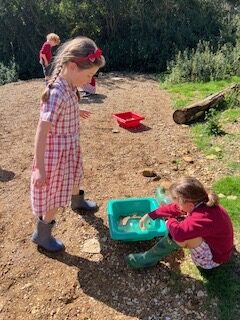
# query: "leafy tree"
137 35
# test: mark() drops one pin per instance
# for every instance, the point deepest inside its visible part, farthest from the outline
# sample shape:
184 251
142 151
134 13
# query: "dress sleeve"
51 110
165 211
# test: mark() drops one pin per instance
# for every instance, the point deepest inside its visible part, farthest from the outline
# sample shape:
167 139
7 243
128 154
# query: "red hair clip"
91 57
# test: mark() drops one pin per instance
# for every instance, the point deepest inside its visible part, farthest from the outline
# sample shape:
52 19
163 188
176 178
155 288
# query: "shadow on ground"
93 98
6 175
224 283
140 128
139 293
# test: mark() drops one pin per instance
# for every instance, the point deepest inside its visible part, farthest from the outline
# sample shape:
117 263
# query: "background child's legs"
46 72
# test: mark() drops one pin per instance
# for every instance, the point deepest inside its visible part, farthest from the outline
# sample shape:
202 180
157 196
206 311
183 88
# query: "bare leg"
75 191
191 243
50 215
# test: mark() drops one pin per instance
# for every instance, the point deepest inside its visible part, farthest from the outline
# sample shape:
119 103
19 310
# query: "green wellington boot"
151 257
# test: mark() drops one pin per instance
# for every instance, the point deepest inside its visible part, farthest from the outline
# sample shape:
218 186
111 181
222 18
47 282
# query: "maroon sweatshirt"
213 224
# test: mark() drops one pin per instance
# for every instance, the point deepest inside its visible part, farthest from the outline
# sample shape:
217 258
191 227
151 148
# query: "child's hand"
39 178
142 222
181 218
85 114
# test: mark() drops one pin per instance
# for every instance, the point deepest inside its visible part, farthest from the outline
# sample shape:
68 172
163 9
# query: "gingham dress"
62 157
202 256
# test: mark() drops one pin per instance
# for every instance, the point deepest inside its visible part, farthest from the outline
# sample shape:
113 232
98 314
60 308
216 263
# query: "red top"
213 224
93 82
47 50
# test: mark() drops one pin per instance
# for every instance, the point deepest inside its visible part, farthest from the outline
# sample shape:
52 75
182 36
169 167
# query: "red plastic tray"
128 119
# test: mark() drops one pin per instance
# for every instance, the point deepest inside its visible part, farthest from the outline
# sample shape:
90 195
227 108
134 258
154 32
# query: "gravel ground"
76 284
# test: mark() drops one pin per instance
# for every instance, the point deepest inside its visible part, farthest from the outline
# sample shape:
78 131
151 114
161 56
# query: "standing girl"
57 167
195 221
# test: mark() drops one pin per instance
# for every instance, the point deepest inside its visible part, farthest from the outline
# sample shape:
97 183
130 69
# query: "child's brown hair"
189 189
72 51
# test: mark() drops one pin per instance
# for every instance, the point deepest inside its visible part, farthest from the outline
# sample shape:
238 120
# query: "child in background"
194 221
89 88
57 167
45 54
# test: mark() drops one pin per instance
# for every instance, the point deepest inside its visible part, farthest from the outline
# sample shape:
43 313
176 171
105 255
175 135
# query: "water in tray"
132 225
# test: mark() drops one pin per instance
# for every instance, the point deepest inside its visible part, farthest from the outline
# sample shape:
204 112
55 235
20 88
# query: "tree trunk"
196 110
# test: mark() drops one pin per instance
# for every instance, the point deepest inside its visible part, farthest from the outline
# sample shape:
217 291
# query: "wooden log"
197 109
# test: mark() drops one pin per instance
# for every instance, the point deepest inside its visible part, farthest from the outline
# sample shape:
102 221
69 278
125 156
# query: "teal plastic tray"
117 209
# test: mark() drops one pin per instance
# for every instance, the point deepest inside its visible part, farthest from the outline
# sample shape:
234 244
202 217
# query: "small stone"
103 239
217 149
117 78
211 157
164 291
26 286
115 131
91 246
1 307
188 159
52 312
34 310
232 197
200 294
157 178
148 173
187 311
221 195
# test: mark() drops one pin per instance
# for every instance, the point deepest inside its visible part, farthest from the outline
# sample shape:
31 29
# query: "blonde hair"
70 51
189 189
53 37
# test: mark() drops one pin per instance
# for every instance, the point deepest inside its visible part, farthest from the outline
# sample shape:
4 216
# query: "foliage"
213 126
204 64
8 73
229 186
232 99
208 135
135 35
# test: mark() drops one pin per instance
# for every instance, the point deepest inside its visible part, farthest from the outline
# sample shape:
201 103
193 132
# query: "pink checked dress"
62 160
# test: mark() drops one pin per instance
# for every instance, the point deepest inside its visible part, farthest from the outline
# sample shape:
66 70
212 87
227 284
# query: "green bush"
204 64
8 73
213 126
135 35
233 99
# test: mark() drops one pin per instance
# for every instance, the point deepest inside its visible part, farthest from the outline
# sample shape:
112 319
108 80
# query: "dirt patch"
76 284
